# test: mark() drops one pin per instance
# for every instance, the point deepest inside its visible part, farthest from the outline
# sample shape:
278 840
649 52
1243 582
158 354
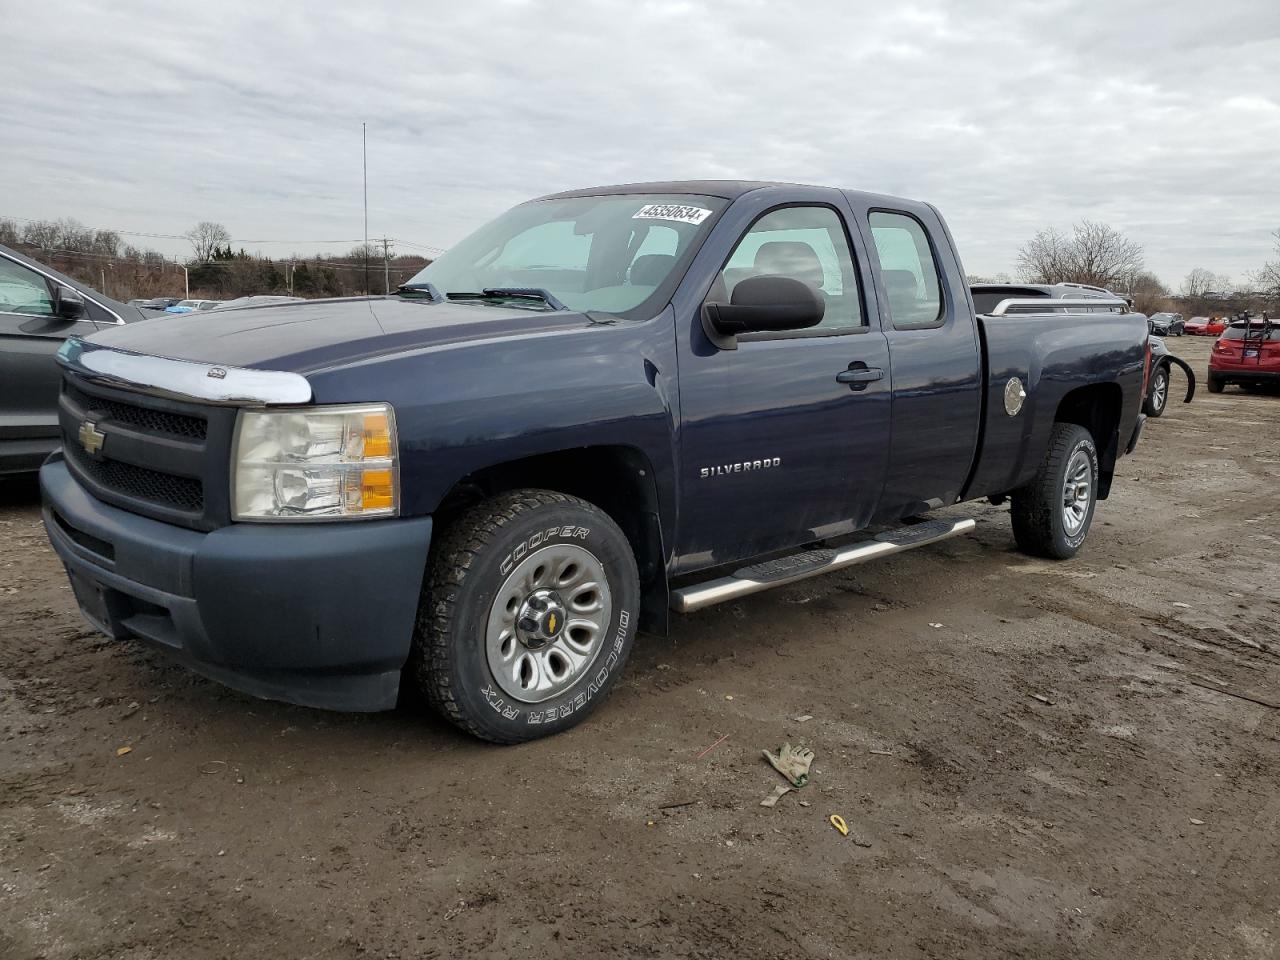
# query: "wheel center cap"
541 619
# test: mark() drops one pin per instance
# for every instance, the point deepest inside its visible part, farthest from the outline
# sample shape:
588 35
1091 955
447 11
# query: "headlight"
321 463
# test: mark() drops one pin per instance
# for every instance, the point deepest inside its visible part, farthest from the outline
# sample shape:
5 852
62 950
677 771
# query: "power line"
174 236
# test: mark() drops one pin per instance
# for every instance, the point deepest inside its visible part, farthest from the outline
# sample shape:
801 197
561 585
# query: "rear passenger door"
937 369
776 450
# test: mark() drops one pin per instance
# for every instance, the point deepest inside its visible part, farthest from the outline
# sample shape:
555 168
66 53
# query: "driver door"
776 452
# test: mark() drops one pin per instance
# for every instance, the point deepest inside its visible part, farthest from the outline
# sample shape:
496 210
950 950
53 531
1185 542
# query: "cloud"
1159 118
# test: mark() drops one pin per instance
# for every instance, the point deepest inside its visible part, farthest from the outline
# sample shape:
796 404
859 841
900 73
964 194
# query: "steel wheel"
547 622
1077 490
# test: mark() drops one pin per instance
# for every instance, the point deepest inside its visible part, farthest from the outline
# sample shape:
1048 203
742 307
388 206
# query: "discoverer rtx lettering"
724 469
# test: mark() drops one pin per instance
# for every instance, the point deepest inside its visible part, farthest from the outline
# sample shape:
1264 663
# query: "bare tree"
44 234
1146 290
1267 280
1095 253
206 237
1196 283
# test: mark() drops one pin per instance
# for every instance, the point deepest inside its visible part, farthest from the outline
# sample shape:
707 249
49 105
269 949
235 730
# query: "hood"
321 334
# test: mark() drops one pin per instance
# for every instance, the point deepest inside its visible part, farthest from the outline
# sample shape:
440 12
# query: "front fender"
463 408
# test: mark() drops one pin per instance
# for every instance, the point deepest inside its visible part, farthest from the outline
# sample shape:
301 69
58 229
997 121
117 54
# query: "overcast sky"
1161 118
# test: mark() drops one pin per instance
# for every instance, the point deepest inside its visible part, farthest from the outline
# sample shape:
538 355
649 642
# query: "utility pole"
364 160
186 280
386 268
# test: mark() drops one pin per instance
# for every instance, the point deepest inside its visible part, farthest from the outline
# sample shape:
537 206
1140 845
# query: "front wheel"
1158 395
1052 514
528 614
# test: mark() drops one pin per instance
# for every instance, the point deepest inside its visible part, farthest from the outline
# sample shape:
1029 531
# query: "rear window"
1256 332
984 301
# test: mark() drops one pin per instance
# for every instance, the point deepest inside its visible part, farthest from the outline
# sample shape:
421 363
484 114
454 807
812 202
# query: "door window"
806 244
910 273
23 291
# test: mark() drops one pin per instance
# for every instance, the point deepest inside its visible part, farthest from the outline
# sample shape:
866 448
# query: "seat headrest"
651 269
790 258
901 283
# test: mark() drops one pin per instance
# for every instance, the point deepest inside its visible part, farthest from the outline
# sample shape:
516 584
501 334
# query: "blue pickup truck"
603 406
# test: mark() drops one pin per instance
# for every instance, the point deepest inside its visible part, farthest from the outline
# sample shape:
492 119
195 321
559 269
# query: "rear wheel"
1216 384
1052 514
1158 395
527 616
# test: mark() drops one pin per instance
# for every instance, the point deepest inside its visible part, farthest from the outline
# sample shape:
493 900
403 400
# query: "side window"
909 271
23 291
806 244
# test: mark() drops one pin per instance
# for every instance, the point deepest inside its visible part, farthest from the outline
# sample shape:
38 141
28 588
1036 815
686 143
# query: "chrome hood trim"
181 379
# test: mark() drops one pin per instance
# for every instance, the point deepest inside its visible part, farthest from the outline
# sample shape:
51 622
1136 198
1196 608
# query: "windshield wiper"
430 289
510 293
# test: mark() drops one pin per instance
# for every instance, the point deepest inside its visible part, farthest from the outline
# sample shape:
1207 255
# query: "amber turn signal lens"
377 490
377 436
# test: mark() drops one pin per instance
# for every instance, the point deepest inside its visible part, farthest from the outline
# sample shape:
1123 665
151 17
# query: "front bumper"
317 614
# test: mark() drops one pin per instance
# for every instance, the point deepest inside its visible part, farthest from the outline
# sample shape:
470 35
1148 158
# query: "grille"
164 489
144 418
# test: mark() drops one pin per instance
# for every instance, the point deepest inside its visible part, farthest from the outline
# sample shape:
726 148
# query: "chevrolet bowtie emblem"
91 438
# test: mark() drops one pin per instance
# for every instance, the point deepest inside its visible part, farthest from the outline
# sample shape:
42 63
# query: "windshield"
609 254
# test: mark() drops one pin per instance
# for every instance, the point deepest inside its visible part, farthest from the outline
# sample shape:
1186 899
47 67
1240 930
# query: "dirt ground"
1035 760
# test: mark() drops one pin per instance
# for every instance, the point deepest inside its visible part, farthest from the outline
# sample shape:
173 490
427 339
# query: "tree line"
104 260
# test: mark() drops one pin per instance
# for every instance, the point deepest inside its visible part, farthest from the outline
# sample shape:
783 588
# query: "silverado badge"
91 438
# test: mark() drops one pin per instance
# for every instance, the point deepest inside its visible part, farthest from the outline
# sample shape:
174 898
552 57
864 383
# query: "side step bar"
811 563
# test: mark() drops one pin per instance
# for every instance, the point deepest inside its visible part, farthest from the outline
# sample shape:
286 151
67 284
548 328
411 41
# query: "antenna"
364 160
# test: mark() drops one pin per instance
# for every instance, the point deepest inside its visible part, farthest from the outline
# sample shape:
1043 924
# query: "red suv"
1248 353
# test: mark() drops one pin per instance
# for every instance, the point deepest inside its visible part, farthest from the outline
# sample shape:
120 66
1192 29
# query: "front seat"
651 269
790 258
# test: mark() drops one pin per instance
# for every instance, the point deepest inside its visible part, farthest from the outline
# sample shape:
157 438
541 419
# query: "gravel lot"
1035 760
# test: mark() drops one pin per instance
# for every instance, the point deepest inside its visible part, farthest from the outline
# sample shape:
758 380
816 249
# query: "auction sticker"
671 211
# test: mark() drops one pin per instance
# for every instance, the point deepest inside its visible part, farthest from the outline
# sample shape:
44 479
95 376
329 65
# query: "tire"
507 681
1158 394
1039 508
1216 384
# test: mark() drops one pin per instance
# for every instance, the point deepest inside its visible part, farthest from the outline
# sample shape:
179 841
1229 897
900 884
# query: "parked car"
1160 378
1247 353
1167 324
603 405
39 309
192 306
154 303
1205 326
240 303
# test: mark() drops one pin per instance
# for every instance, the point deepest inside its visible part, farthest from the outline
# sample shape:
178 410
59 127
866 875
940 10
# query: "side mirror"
68 305
767 303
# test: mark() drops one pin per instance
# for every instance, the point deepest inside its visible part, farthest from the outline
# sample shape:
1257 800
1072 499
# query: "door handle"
859 375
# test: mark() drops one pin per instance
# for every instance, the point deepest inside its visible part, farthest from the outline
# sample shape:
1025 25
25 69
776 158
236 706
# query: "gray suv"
39 308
